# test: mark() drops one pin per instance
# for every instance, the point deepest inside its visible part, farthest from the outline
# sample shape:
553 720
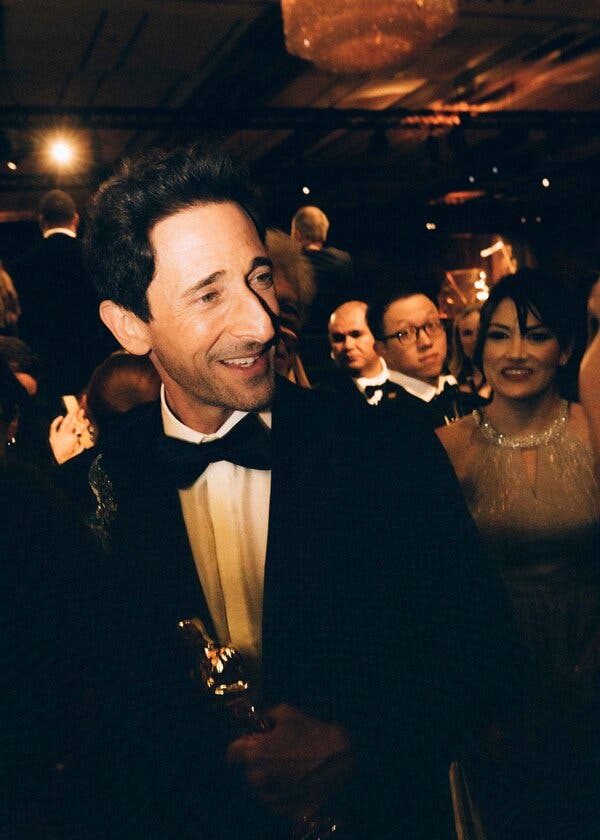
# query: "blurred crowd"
496 385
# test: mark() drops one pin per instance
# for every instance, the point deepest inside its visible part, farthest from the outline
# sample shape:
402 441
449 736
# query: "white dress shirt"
363 382
226 514
418 388
52 231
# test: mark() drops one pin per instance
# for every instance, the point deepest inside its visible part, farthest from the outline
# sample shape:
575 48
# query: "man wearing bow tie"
359 370
411 338
298 531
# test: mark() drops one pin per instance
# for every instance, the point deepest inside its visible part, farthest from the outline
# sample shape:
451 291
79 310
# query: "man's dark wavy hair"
143 191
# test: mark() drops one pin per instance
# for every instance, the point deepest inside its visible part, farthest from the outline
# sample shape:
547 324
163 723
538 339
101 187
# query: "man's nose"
423 340
253 316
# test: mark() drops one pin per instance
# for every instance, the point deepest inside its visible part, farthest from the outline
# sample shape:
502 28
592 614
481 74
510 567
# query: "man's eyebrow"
500 324
201 284
261 261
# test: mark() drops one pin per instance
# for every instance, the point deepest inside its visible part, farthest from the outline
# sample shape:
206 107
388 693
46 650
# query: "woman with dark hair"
460 364
525 463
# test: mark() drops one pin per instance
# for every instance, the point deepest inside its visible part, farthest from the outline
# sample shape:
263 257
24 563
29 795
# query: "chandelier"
362 36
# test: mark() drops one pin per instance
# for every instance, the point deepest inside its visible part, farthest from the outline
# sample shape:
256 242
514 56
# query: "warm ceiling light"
497 246
61 152
362 36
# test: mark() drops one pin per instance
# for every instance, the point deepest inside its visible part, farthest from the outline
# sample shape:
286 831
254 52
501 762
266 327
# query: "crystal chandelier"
362 36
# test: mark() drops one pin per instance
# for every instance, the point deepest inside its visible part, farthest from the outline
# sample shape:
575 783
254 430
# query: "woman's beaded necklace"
531 441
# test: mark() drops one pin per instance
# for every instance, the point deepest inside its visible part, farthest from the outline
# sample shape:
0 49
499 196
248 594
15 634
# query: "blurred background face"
291 311
285 351
423 358
352 342
520 365
468 330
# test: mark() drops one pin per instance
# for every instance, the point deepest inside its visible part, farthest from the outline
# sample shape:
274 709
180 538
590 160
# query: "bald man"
353 351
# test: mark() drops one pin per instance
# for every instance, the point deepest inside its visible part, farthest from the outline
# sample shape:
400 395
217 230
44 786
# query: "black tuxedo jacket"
59 317
379 614
432 414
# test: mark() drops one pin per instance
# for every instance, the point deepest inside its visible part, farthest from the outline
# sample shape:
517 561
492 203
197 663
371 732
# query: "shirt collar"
175 428
362 382
66 231
422 390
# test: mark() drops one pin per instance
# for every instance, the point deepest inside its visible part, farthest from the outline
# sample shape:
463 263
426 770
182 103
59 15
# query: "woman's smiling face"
520 365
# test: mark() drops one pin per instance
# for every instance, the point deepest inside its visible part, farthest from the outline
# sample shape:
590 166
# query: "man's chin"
256 398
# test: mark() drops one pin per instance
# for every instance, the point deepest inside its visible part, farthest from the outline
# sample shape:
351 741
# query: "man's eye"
264 280
208 297
467 333
497 335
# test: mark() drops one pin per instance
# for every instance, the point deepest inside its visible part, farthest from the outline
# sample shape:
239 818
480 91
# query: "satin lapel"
285 518
166 565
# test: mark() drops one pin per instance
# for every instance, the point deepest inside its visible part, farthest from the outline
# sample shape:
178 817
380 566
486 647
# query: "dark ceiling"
465 131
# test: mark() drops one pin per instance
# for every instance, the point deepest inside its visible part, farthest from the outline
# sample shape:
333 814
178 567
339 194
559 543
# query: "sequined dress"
542 535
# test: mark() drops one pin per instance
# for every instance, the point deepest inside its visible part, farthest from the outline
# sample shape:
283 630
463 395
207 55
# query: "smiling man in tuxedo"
220 502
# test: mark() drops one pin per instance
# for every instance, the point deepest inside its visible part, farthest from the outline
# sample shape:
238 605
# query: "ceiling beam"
269 119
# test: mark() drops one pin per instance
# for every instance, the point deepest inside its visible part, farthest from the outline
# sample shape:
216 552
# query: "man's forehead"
411 308
349 318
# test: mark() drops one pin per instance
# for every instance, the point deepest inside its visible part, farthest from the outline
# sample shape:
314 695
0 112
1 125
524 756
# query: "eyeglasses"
411 334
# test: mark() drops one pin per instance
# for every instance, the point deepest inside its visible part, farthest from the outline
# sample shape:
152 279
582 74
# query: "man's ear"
129 330
379 347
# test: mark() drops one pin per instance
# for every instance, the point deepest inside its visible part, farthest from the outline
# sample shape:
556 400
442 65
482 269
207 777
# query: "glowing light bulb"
306 190
61 152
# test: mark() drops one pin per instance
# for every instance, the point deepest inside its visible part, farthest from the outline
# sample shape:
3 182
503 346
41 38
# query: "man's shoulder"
127 442
337 254
56 246
351 425
330 260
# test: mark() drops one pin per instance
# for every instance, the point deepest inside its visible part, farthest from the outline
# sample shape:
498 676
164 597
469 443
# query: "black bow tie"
247 444
449 392
386 388
446 405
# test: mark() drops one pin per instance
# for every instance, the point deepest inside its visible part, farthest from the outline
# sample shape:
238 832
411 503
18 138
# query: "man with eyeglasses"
411 338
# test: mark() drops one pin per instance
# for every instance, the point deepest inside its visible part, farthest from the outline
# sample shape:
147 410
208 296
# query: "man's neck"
374 369
205 419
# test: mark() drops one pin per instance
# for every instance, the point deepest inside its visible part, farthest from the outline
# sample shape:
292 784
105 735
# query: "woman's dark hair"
142 192
12 396
118 384
533 292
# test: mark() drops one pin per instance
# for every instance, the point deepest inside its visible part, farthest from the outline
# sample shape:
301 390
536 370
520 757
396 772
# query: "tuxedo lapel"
158 551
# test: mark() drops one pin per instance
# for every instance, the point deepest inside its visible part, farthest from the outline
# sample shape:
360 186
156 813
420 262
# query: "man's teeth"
245 362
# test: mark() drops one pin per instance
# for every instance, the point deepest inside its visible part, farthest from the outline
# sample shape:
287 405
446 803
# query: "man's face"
352 342
422 358
291 311
212 300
